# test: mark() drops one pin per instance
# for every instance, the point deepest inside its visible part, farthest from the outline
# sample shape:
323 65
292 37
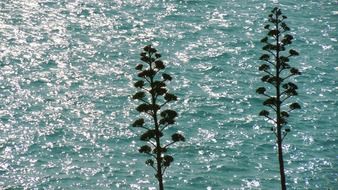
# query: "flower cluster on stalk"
277 70
154 96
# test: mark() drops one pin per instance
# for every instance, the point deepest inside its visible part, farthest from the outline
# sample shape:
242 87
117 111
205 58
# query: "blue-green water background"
67 76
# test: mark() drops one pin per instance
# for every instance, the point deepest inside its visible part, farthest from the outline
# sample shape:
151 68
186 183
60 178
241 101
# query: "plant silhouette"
154 96
277 70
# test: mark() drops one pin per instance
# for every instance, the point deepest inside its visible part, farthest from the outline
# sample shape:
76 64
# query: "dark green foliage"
177 137
139 84
150 162
284 114
265 78
264 67
166 77
167 159
261 90
138 123
170 97
145 149
277 70
139 95
154 96
169 114
159 64
139 67
148 135
293 52
294 106
144 108
265 57
264 113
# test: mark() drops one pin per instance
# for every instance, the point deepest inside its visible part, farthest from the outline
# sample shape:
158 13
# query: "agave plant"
277 72
154 96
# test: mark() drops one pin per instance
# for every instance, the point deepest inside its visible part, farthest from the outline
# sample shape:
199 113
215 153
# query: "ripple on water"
67 75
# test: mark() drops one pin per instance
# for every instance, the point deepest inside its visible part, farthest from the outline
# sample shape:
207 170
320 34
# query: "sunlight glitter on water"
67 76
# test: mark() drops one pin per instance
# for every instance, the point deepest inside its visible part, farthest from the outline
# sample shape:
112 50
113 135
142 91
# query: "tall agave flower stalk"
154 96
277 75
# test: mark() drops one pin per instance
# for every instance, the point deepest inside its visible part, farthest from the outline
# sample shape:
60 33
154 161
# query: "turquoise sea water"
67 73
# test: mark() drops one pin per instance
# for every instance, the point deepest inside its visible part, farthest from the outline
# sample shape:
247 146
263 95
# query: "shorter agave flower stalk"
154 96
277 70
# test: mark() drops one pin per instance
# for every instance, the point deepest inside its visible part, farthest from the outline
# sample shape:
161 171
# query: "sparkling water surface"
67 73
